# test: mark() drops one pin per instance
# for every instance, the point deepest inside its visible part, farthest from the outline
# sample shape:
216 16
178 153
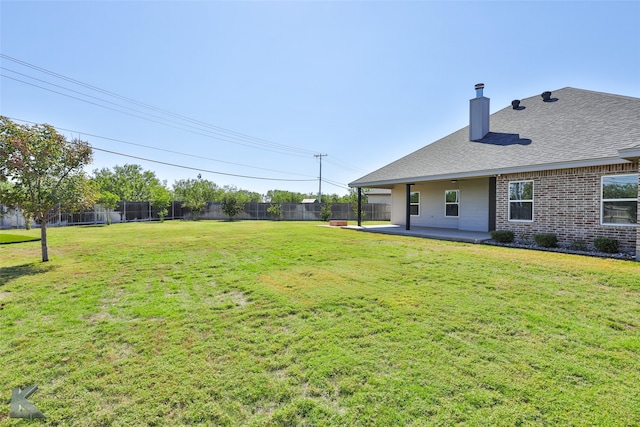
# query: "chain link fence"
144 211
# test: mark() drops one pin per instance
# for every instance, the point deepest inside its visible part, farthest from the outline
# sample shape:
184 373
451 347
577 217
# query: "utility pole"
320 156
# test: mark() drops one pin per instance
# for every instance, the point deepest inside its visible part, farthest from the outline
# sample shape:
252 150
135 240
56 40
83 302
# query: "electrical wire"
335 184
161 149
148 119
199 169
234 134
247 140
217 130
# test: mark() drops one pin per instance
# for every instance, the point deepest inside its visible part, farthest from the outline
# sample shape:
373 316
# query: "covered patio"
428 232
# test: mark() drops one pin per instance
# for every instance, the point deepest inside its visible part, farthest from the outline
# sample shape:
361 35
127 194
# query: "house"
565 162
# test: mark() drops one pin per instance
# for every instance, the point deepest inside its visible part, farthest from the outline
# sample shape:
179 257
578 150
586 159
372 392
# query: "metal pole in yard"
320 156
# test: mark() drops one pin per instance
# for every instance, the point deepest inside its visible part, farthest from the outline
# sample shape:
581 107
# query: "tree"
275 210
109 201
160 201
130 182
195 193
231 205
46 173
243 196
352 198
325 212
283 196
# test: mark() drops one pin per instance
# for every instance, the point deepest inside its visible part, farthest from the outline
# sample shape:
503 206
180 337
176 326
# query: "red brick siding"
567 203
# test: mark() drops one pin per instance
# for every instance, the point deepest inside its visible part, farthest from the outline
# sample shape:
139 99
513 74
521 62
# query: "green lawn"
289 323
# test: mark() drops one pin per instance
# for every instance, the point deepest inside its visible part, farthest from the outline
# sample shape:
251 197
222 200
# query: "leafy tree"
243 196
275 210
46 172
160 200
232 205
130 182
195 193
282 196
352 198
109 201
4 187
325 212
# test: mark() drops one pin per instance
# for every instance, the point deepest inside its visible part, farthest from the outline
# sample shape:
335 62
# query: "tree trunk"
43 241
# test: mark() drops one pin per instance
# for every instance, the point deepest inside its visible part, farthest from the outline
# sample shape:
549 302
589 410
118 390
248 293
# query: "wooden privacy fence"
143 211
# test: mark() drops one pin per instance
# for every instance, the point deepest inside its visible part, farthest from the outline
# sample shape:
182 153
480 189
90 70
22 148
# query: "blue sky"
365 82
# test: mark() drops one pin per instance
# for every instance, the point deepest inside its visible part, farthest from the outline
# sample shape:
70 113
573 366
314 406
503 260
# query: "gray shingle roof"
579 128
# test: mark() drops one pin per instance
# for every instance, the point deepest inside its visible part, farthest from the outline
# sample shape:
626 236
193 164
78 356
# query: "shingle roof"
579 128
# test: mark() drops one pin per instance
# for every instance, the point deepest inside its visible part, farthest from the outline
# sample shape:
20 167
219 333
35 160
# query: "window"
521 201
451 202
619 199
414 204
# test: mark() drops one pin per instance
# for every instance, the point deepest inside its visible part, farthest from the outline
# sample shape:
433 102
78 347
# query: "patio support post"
359 207
408 207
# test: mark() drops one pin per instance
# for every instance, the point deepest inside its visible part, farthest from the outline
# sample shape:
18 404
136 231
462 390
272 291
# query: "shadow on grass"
8 274
7 239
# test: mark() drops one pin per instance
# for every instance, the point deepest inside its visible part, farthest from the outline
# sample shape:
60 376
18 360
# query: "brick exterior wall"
567 203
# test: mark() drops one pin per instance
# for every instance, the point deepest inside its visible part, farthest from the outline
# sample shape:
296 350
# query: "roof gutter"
632 153
500 171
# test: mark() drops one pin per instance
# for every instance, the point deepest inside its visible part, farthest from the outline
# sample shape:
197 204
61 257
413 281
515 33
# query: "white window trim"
602 200
415 204
533 193
451 203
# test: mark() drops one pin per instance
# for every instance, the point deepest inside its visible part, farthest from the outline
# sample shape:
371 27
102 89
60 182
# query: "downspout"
359 207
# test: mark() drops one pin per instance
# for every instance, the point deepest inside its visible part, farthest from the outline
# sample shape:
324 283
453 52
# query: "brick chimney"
478 115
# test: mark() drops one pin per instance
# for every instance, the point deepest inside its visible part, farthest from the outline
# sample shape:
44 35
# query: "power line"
335 184
199 169
148 119
161 149
220 133
344 165
232 134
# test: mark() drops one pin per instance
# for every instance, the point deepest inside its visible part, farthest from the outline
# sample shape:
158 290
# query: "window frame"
509 201
603 201
457 203
416 204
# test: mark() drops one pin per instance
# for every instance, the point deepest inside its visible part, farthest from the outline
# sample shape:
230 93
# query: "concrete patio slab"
427 232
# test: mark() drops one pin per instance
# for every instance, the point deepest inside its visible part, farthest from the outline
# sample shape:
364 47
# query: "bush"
325 213
231 205
546 240
606 244
502 236
275 210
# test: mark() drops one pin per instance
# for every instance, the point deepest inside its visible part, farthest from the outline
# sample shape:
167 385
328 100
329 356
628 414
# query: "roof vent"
515 104
546 96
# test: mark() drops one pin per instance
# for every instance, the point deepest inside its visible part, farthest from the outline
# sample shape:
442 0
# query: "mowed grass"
289 323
